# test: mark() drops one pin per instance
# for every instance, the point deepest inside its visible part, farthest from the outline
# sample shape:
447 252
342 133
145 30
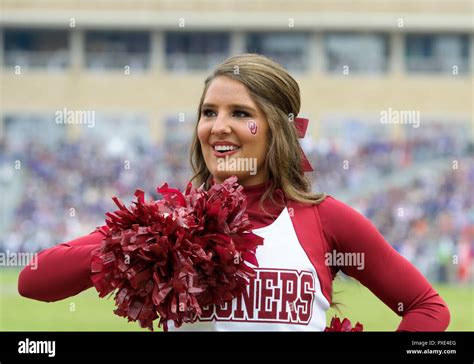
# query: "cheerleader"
247 126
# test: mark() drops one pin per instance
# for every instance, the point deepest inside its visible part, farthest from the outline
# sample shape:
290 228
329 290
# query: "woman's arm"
386 273
62 271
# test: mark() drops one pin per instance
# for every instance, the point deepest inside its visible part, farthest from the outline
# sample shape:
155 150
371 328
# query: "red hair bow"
301 125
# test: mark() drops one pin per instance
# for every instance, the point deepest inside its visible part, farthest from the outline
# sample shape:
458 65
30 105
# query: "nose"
221 126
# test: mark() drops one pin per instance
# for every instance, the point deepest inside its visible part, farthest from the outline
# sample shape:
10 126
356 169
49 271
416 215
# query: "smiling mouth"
222 150
225 148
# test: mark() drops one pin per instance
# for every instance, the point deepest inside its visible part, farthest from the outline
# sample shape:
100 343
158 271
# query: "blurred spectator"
67 187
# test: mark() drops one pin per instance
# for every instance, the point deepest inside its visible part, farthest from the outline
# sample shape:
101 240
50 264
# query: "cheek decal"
252 125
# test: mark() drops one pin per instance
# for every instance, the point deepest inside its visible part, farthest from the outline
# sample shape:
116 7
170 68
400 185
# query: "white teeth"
225 148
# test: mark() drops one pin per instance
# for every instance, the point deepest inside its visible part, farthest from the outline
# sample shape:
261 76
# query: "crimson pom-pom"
167 259
344 326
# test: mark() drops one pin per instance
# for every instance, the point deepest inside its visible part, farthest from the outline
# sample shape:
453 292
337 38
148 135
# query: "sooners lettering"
273 295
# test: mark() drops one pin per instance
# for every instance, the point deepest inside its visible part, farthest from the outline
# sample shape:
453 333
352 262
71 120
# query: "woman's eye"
241 114
208 113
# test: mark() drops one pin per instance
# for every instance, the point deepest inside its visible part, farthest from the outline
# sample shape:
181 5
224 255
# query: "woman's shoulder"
333 207
341 222
328 205
334 214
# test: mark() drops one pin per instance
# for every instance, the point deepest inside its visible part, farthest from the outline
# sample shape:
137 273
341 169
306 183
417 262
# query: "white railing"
44 59
113 60
437 64
193 62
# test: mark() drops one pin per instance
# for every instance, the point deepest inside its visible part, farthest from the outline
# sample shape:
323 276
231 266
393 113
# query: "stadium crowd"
66 188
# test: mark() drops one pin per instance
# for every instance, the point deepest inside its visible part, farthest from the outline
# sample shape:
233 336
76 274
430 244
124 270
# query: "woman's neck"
256 214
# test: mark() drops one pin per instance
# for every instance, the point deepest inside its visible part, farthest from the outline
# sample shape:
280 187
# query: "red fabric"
387 274
64 270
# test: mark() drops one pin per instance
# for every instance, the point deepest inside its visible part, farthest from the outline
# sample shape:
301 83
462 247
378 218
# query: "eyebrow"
234 106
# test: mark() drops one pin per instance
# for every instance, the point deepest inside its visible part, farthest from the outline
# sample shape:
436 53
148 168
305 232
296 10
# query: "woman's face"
233 133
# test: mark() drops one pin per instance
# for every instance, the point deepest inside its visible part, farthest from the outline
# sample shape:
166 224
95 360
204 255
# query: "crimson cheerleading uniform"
292 288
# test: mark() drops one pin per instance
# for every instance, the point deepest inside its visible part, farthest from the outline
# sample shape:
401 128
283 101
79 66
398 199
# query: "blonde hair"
277 94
